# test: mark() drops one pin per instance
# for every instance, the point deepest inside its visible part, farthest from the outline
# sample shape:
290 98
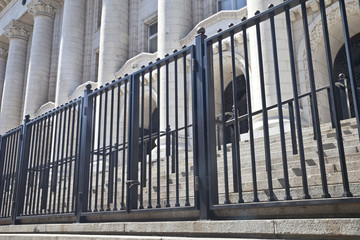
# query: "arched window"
230 4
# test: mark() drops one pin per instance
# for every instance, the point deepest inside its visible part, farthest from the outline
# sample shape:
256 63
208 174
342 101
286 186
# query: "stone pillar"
267 53
174 23
114 38
70 68
40 55
10 116
3 58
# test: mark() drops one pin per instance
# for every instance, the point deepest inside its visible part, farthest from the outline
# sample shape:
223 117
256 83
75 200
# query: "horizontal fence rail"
233 121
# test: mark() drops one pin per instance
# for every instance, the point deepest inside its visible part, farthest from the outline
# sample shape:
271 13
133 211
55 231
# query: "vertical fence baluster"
187 203
297 105
3 182
63 137
124 146
45 177
36 164
250 121
2 163
77 154
167 133
335 114
93 135
84 153
142 149
41 167
280 111
223 121
177 203
292 127
264 114
133 142
149 140
66 158
98 152
158 205
57 160
45 204
23 158
111 167
71 175
314 103
117 145
237 130
10 172
104 151
27 203
350 63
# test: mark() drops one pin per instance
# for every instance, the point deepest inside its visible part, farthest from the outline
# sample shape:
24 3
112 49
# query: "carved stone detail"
17 29
316 33
3 50
43 7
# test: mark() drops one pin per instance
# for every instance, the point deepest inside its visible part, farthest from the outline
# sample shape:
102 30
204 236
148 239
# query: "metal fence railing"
205 132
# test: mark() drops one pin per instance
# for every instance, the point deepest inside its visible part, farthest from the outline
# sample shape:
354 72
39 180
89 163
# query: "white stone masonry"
70 68
40 56
114 39
18 34
3 58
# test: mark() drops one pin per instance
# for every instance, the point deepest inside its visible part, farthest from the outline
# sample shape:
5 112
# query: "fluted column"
40 56
174 23
18 34
268 67
3 58
70 68
114 38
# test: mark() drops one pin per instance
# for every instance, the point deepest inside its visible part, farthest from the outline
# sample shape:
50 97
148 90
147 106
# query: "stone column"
70 68
10 116
3 58
267 53
114 38
174 23
40 55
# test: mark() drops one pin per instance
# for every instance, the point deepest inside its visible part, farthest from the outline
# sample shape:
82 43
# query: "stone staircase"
332 166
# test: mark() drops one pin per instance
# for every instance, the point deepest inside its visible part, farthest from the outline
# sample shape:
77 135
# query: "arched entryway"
345 105
241 104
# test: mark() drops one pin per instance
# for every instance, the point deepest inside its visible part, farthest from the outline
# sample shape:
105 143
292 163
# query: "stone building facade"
51 49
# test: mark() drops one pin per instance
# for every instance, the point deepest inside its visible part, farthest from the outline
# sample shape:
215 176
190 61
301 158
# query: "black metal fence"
180 138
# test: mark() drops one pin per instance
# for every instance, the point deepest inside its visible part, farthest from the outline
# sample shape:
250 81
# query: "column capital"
3 50
17 29
43 7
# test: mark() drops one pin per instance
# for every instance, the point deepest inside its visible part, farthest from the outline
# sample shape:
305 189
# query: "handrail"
245 116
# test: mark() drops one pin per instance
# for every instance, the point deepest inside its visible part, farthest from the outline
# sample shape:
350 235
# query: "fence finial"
201 30
88 87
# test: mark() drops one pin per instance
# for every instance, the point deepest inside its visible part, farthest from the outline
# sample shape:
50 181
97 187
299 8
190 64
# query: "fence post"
2 149
24 147
133 139
84 161
204 120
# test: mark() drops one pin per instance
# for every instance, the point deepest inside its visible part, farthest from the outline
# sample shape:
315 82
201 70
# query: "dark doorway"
241 103
345 104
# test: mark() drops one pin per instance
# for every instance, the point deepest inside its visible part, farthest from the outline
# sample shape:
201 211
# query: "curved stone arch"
227 68
318 54
146 104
